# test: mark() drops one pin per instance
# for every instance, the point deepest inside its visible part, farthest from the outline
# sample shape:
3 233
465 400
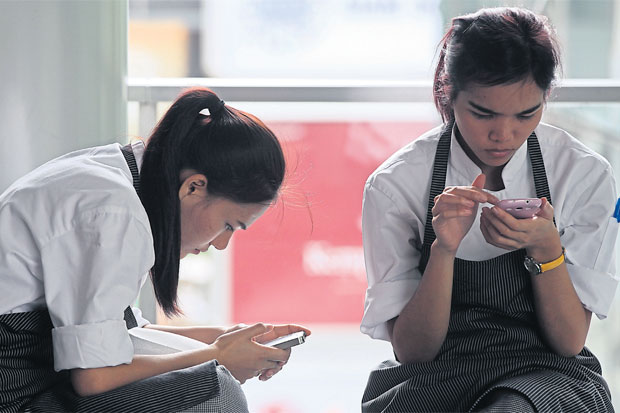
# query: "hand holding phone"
521 207
288 340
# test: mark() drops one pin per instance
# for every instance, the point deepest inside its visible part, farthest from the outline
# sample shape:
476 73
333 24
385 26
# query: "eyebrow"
490 112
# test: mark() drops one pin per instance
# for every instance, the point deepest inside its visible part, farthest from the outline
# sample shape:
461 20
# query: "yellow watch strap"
553 264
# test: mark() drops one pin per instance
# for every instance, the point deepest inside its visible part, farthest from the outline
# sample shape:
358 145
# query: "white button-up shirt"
76 240
583 192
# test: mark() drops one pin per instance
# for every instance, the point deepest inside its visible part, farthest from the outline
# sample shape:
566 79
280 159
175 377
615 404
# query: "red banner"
303 260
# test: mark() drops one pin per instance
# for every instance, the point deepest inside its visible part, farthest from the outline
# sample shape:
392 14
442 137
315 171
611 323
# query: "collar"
138 148
464 166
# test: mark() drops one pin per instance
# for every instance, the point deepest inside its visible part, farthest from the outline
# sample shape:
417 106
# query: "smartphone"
521 207
288 341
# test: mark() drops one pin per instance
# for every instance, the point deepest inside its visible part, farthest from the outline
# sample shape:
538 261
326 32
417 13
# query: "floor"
327 374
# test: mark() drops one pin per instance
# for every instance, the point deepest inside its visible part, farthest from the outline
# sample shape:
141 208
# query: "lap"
505 400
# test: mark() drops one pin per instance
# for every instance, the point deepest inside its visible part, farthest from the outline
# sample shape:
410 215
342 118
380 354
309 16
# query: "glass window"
346 39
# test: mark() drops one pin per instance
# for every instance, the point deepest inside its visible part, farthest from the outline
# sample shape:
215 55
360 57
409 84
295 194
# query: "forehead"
245 213
503 98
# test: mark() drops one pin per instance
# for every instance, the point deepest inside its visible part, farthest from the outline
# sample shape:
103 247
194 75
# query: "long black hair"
494 46
240 156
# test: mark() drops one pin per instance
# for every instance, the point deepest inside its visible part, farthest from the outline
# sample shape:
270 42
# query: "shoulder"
563 151
55 196
412 162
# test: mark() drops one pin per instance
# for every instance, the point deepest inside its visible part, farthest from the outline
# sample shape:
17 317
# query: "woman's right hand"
243 356
455 211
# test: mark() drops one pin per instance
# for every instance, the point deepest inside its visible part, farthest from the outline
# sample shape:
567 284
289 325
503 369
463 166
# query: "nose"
502 130
222 240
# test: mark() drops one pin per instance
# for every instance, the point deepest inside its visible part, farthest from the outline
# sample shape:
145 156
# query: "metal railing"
148 91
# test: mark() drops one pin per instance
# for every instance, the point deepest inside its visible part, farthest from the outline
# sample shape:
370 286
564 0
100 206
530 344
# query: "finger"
453 199
269 373
546 210
281 330
494 236
453 213
473 193
479 181
484 223
284 329
272 355
254 330
504 221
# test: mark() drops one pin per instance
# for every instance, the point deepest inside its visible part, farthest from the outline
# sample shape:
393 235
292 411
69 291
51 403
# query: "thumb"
479 181
546 210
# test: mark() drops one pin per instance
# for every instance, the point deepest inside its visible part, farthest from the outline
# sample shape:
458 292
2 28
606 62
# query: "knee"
231 395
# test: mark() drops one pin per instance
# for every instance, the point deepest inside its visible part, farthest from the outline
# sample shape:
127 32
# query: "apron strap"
127 151
438 181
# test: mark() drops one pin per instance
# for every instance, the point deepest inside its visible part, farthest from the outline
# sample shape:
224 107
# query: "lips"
499 153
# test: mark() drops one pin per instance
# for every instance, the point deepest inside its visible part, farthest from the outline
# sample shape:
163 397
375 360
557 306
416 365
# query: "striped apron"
493 340
28 381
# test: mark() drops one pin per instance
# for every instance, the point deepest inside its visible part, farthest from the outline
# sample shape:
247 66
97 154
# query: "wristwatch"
535 267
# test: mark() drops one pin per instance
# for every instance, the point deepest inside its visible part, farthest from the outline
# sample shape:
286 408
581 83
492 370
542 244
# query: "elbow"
86 382
566 351
568 348
409 353
416 358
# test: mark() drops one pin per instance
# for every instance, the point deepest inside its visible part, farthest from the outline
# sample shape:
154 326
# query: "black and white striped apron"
28 381
493 340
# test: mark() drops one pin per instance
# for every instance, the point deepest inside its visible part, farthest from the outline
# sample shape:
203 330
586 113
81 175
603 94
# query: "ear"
195 184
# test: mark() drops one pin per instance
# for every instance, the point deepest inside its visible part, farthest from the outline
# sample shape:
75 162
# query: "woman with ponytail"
485 310
80 235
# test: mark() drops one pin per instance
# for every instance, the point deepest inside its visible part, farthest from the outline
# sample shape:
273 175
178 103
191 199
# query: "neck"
494 181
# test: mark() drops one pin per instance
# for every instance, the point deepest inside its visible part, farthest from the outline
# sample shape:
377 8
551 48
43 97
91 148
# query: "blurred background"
343 83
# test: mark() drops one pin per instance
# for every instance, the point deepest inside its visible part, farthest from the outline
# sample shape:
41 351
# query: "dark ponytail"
494 46
241 158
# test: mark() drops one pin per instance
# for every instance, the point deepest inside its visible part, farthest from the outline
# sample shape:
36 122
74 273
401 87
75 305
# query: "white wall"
63 65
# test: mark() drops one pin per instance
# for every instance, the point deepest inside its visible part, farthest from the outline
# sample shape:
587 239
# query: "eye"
481 116
525 117
229 228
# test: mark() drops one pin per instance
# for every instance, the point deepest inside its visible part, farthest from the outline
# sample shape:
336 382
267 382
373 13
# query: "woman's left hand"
501 229
278 331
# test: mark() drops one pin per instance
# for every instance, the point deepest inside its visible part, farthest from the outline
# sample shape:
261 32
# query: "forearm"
88 382
205 334
420 330
562 318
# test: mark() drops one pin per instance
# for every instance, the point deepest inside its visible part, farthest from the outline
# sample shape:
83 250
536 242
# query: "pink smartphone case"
521 207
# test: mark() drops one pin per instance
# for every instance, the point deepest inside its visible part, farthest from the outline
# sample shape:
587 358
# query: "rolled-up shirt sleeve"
589 236
92 272
391 258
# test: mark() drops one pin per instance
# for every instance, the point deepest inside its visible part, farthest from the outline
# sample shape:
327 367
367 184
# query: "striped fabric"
130 318
493 341
26 358
28 380
127 152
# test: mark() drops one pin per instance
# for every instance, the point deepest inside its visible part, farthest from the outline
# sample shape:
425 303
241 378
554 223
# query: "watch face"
532 266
